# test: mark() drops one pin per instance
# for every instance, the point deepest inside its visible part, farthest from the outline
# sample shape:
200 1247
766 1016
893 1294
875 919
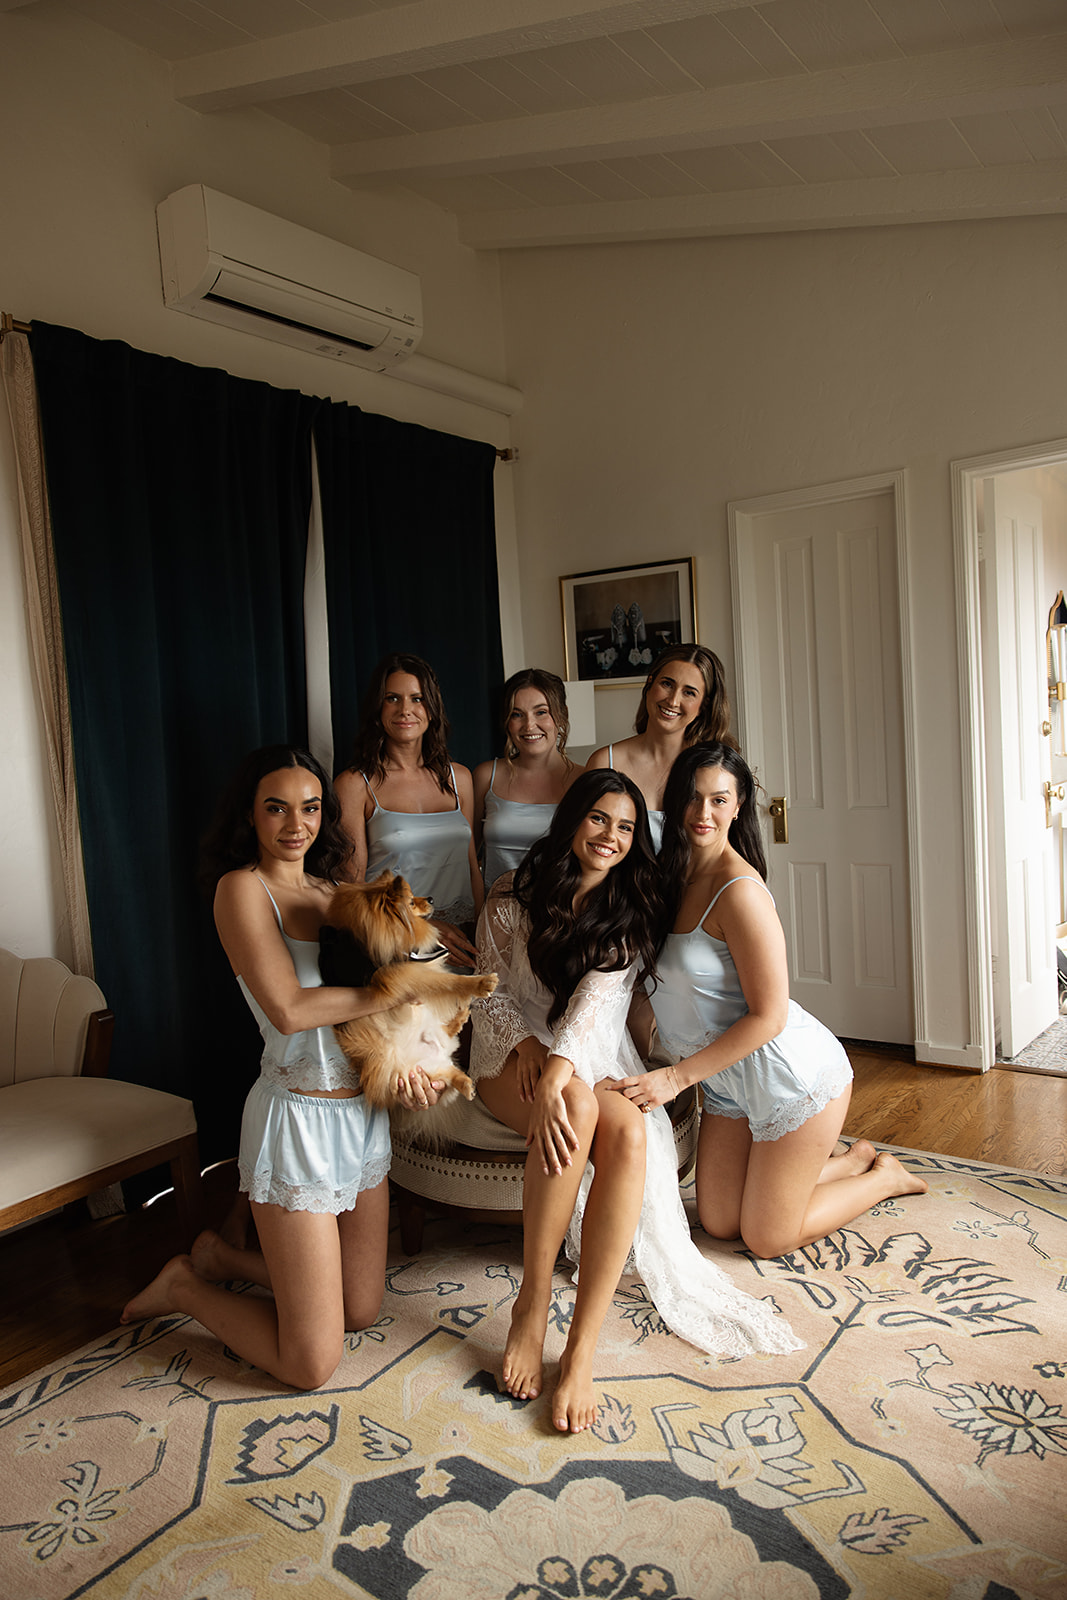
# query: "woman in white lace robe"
776 1083
568 934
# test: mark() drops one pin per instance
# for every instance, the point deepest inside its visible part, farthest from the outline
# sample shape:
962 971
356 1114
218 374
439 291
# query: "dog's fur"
390 931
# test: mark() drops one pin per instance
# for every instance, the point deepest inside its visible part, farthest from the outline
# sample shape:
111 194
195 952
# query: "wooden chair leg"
411 1214
188 1189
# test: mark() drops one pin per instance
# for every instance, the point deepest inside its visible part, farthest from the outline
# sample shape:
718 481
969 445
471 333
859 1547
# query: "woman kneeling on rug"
776 1083
313 1156
568 932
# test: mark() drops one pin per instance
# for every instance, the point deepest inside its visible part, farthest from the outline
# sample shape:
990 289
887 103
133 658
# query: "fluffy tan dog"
396 950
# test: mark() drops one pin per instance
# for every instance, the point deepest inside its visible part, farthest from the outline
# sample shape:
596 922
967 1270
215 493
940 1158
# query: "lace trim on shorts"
789 1115
267 1190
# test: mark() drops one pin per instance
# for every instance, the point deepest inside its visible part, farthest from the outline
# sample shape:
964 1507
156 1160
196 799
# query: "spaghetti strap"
611 755
371 792
741 878
455 785
272 900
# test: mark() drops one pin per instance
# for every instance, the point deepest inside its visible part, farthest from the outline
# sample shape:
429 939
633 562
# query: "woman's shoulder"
739 891
483 774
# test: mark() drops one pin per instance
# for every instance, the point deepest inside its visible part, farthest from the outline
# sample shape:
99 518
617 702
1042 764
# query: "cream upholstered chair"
66 1129
481 1177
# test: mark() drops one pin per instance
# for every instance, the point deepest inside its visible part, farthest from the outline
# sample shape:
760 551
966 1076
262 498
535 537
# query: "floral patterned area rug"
917 1447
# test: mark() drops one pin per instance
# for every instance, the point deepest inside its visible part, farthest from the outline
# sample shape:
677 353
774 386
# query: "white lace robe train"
695 1298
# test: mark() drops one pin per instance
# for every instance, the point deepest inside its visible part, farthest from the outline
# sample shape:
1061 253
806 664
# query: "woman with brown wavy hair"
407 807
683 703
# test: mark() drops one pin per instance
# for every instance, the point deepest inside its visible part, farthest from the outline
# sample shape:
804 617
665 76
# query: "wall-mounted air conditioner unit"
234 264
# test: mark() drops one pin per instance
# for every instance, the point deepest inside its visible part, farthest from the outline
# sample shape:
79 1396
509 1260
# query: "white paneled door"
820 681
1018 764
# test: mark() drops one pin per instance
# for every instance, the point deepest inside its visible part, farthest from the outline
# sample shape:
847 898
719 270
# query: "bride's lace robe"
694 1298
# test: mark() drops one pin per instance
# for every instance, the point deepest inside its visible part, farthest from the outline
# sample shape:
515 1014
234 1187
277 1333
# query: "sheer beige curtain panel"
46 627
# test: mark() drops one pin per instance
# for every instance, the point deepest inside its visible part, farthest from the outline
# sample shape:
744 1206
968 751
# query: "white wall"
663 380
91 141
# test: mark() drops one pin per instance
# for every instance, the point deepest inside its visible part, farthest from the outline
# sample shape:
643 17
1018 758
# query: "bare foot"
209 1255
900 1180
523 1355
851 1163
574 1405
161 1295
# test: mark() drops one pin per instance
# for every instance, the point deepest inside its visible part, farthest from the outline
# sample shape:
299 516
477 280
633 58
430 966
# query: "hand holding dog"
460 950
417 1089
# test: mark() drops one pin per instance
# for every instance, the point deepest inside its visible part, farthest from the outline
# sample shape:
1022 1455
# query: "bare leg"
611 1214
298 1335
237 1223
723 1149
858 1158
785 1206
217 1261
364 1234
547 1207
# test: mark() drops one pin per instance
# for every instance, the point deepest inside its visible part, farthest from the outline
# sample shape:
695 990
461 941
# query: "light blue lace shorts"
779 1087
307 1153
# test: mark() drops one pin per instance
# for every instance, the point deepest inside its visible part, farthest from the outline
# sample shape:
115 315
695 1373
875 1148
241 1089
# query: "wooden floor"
64 1280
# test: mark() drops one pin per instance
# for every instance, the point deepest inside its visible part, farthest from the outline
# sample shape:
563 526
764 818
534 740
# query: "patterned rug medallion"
917 1447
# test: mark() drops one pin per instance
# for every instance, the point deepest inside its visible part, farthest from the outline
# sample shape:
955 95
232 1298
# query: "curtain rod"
8 324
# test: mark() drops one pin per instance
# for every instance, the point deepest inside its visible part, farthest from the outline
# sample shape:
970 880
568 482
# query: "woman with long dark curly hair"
406 806
683 703
776 1083
313 1155
568 933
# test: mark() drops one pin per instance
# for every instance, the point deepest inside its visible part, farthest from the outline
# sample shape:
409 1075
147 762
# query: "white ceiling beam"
1037 189
982 78
412 38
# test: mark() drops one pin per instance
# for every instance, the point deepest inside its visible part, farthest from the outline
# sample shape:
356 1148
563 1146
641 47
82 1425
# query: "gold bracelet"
673 1081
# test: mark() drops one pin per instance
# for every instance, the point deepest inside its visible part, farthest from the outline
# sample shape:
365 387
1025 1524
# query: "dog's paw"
486 984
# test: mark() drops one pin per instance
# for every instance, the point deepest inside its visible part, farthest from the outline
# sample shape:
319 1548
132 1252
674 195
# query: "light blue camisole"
304 1061
655 818
510 828
429 849
698 995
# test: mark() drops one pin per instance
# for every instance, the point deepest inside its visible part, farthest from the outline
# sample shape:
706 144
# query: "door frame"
742 514
966 475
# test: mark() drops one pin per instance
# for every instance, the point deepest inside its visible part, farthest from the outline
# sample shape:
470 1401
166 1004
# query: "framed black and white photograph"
616 622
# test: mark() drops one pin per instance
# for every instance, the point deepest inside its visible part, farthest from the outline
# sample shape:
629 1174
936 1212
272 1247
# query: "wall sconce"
1056 648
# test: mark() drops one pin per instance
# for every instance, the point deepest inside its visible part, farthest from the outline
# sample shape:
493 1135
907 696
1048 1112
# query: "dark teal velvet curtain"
180 499
410 551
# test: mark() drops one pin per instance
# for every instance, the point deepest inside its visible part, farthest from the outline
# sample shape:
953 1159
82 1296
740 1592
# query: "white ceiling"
557 121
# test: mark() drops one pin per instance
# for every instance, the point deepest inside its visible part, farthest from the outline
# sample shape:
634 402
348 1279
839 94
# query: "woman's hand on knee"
551 1132
649 1089
530 1058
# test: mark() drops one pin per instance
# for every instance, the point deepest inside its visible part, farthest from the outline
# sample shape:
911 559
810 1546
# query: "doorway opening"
1010 532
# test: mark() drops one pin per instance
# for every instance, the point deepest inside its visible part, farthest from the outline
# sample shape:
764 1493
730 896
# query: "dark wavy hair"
618 920
551 686
711 725
679 795
369 757
230 840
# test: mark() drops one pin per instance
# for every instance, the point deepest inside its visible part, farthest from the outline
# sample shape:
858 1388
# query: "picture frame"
616 621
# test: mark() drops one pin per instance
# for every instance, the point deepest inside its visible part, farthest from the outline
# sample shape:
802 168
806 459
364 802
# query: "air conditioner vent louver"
234 264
